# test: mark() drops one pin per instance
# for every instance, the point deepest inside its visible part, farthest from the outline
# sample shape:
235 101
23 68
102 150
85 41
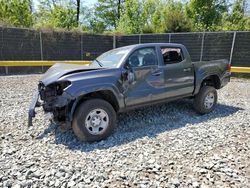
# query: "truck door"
148 80
178 72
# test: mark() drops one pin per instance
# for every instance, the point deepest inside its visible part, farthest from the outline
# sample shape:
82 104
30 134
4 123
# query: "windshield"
111 58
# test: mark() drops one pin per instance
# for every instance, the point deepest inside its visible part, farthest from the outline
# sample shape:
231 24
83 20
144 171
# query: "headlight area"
52 90
55 99
61 86
54 95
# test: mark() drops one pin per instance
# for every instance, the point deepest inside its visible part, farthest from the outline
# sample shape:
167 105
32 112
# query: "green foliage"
237 19
175 18
248 23
92 24
108 11
131 20
206 15
157 20
150 8
16 13
171 18
56 16
129 16
104 16
154 16
96 26
63 17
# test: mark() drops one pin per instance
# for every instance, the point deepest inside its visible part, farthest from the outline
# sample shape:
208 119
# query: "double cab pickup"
88 97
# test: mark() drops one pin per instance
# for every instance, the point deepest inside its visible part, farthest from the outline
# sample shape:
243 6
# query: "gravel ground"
162 146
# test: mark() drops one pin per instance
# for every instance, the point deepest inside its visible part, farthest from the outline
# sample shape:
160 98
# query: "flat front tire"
94 120
206 100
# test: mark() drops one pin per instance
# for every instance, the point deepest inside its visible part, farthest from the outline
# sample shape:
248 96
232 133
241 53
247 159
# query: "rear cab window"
171 55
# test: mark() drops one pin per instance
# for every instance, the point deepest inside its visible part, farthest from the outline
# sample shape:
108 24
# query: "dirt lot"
168 145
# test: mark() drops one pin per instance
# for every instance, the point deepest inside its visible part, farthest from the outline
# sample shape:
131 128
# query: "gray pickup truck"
88 97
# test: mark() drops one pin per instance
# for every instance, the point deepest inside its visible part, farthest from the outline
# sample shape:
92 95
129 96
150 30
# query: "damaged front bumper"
49 106
34 103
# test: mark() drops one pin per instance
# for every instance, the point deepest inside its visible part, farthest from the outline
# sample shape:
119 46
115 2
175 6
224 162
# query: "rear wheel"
94 120
206 100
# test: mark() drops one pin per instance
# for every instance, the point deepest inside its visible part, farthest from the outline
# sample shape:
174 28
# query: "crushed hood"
58 70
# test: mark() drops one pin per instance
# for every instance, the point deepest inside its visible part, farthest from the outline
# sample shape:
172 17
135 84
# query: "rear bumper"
33 105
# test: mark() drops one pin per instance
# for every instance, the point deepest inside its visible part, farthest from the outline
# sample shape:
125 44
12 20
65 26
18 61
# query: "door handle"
157 73
187 69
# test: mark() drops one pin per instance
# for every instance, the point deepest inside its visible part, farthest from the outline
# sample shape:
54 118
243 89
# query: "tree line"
128 16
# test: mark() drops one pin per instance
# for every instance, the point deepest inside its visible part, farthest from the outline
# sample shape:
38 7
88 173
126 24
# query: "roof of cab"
176 45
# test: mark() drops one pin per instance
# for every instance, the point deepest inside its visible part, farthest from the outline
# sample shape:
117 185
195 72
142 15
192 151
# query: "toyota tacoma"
88 97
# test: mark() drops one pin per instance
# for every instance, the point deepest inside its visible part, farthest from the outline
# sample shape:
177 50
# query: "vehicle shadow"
140 123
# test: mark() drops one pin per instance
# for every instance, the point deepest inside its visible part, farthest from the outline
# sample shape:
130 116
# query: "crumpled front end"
54 100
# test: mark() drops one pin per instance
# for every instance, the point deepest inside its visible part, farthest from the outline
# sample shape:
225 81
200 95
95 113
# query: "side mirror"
127 66
131 77
128 74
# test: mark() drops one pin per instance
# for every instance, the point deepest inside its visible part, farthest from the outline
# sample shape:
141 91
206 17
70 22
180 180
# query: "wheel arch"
212 80
209 80
106 94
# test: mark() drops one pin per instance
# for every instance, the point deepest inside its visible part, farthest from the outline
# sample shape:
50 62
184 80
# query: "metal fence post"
139 38
81 47
6 70
41 47
169 38
114 41
202 45
232 48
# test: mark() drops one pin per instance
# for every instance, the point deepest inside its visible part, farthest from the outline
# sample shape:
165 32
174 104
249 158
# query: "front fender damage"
62 100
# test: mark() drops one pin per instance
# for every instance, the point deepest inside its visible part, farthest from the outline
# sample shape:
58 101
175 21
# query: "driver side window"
143 57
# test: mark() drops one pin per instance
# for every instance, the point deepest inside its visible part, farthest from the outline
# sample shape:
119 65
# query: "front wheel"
206 100
94 120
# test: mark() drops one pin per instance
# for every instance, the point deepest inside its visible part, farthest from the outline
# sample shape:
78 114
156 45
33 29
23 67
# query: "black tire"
200 105
80 120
